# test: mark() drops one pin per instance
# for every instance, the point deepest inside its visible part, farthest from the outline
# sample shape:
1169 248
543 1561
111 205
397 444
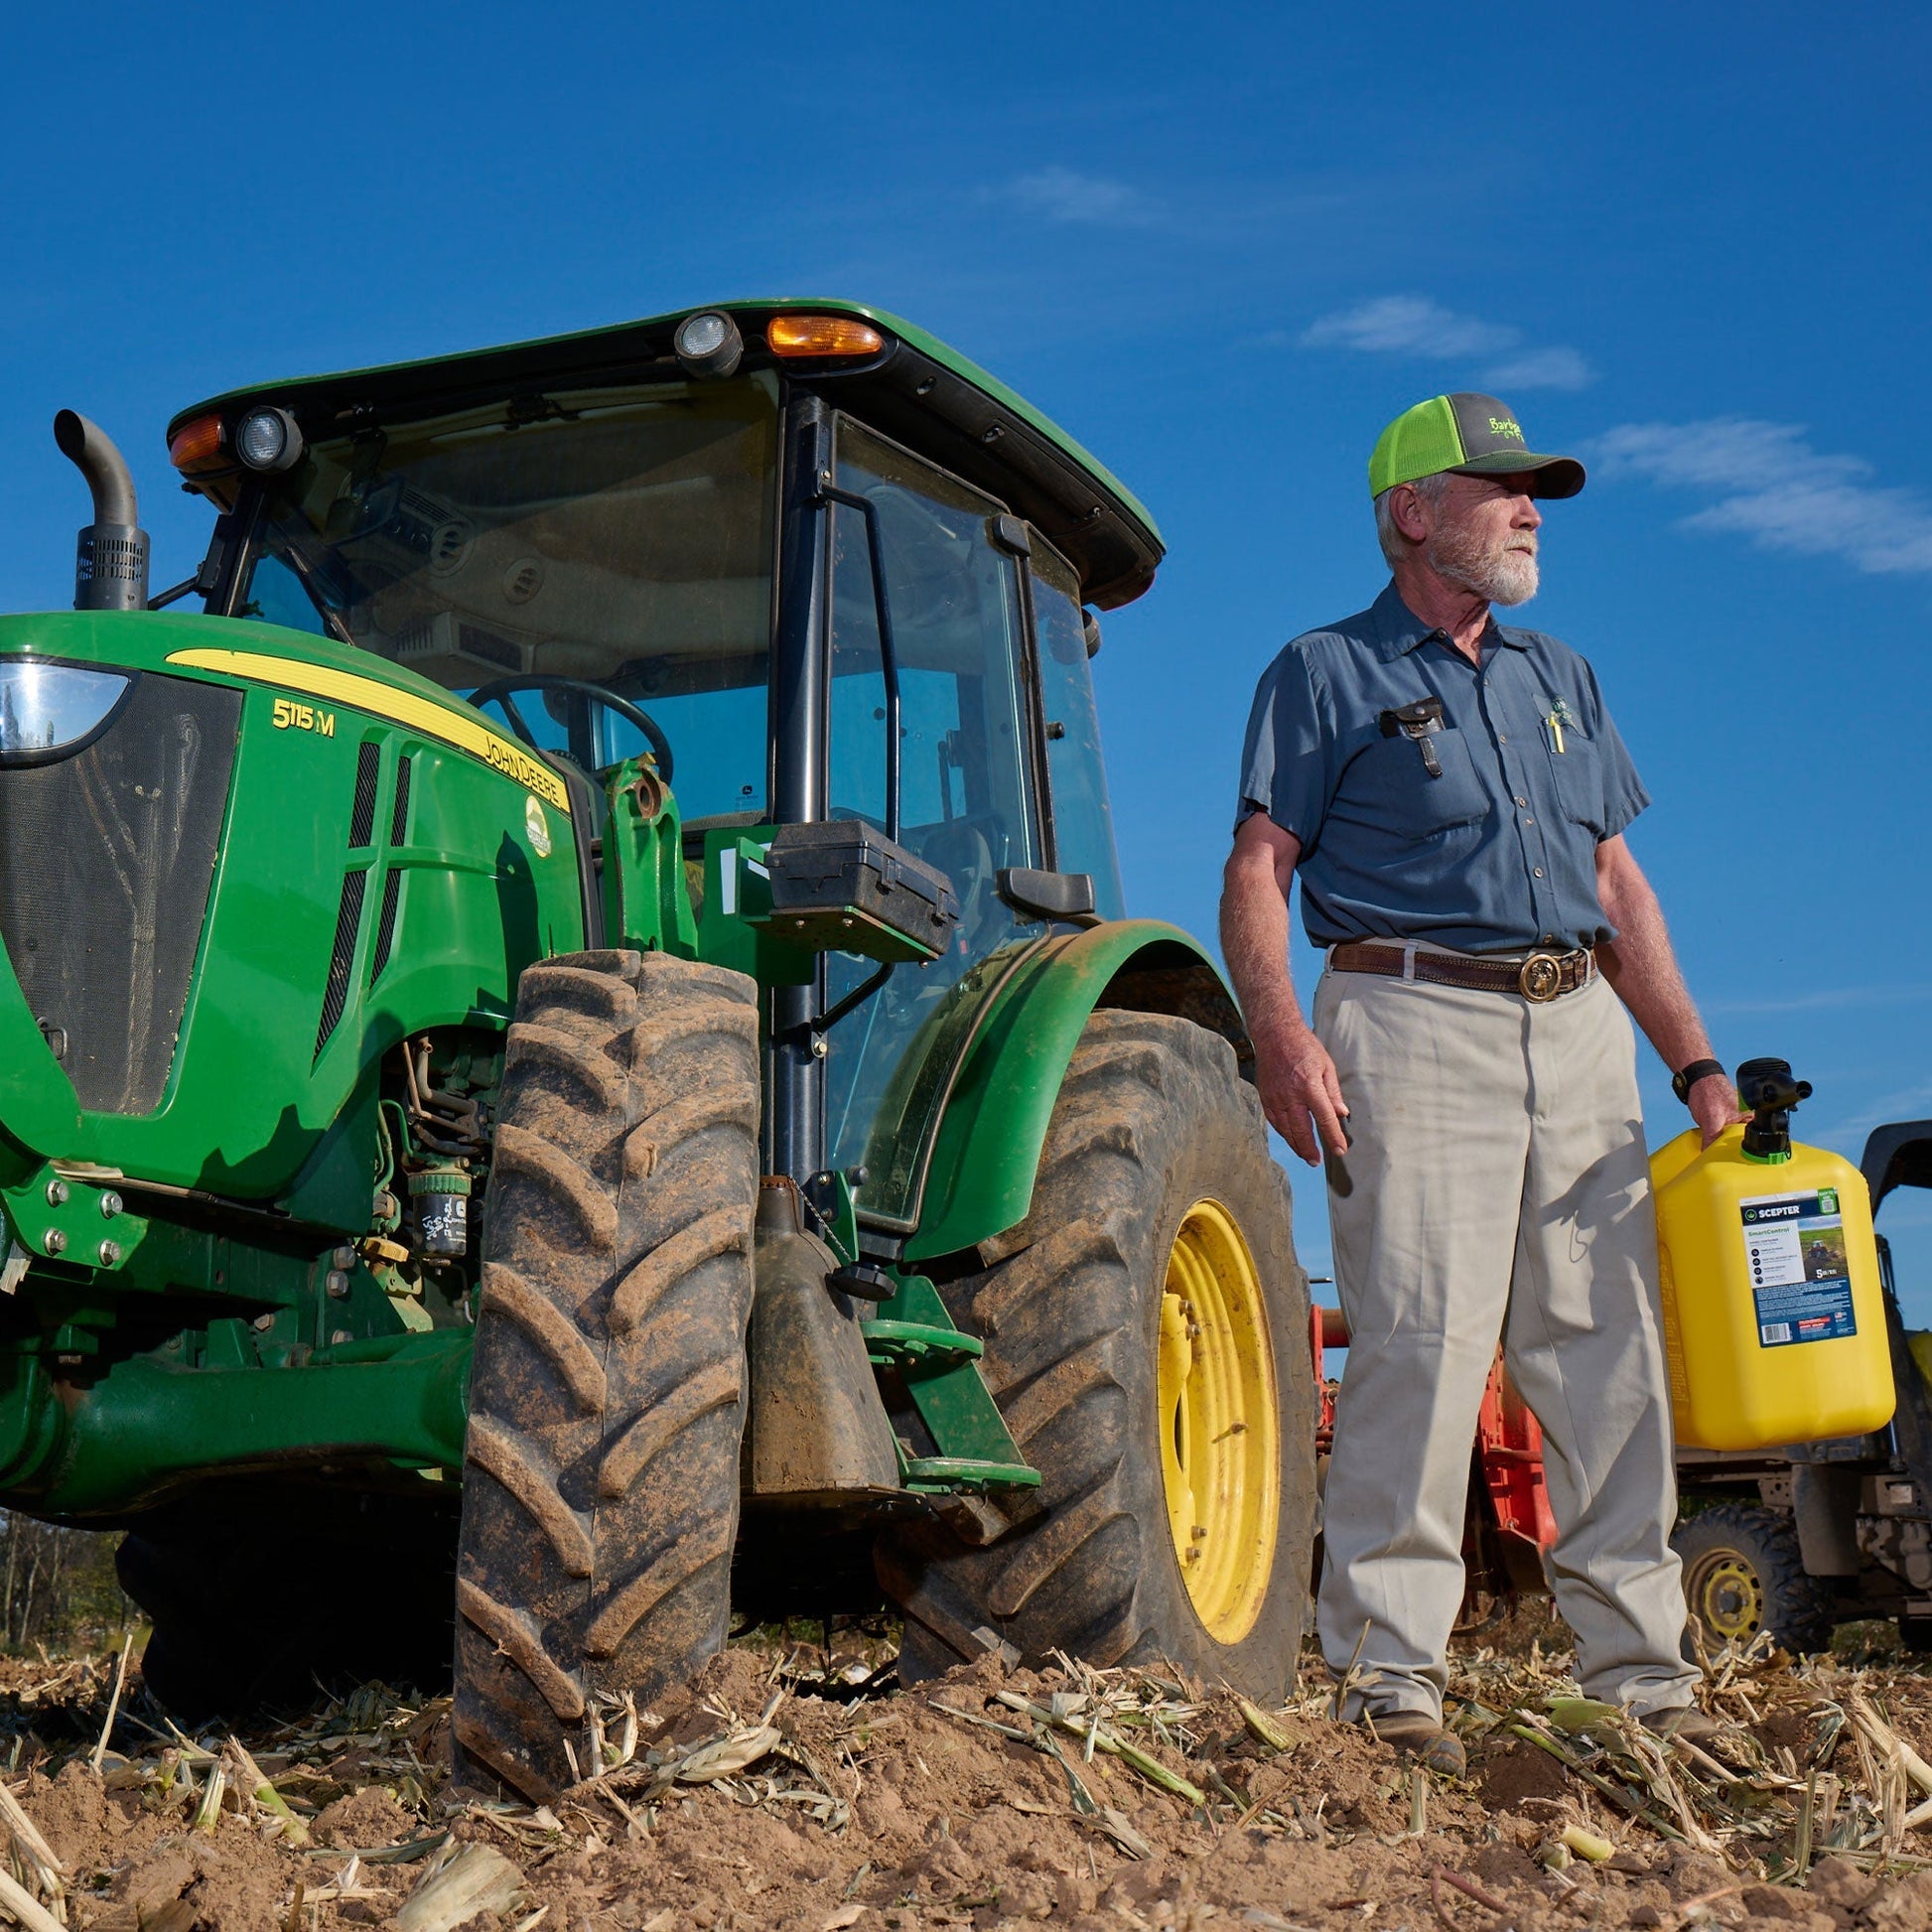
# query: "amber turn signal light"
821 336
197 446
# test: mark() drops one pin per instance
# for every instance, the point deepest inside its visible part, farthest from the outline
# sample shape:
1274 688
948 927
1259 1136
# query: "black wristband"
1683 1081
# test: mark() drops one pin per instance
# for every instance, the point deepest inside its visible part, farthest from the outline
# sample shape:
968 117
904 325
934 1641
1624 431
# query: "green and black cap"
1475 436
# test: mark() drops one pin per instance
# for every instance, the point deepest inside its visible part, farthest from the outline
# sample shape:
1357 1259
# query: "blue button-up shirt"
1496 855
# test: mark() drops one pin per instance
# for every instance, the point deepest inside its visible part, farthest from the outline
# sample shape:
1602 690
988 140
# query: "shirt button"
1501 738
1529 821
1539 871
1522 802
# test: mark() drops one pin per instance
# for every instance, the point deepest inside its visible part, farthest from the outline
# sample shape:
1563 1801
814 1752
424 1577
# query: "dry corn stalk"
1151 1768
37 1856
478 1878
250 1781
26 1907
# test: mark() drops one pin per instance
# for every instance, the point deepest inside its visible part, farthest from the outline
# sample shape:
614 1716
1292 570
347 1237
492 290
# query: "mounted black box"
842 885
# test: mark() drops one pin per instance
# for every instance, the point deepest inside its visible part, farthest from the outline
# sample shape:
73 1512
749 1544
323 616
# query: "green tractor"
571 1060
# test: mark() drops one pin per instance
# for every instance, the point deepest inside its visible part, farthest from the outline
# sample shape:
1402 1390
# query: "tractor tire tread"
608 1389
550 1330
1060 1304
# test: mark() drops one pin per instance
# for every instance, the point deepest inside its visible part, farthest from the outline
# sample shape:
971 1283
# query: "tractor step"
918 1344
941 1370
952 1473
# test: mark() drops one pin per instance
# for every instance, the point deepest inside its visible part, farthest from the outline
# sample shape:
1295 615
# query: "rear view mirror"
1066 896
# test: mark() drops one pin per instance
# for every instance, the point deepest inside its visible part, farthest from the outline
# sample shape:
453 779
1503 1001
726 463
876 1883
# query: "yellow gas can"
1774 1318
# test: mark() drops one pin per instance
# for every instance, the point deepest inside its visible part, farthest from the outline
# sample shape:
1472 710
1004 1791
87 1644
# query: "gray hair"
1395 546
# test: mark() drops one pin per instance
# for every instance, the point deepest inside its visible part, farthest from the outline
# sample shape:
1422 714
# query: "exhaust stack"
111 564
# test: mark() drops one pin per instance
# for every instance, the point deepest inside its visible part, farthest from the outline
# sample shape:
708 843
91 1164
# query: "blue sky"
1223 246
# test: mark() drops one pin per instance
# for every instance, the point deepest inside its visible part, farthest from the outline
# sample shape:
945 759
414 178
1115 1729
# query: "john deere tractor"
569 1047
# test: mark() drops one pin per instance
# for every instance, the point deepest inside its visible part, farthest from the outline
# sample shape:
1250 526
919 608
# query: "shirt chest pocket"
1395 794
1578 771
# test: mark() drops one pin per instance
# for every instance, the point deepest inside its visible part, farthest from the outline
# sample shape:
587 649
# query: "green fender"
980 1177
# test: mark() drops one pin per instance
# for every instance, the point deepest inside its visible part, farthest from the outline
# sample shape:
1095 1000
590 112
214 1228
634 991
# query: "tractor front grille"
106 860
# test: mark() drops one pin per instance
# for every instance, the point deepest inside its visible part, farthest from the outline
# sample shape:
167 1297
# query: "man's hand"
1714 1105
1299 1093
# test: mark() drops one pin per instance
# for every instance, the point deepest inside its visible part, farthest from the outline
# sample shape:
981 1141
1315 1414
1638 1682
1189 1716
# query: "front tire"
606 1400
1146 1332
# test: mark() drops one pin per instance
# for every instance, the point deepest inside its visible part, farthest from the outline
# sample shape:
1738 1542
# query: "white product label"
1800 1279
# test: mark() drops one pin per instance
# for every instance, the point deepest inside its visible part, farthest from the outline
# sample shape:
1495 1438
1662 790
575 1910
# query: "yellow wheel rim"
1727 1596
1219 1422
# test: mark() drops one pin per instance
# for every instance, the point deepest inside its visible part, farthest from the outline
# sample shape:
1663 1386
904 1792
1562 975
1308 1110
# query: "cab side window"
966 752
965 800
1083 821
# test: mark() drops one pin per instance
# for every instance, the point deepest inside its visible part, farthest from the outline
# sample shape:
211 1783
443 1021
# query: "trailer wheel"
1742 1574
1145 1335
599 1501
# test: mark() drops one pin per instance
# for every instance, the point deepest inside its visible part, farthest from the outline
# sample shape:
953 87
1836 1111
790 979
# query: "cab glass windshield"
619 538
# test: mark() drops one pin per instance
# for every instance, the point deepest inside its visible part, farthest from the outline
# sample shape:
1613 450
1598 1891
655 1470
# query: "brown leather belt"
1538 977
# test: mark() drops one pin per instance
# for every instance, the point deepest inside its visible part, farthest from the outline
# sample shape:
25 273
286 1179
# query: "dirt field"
988 1798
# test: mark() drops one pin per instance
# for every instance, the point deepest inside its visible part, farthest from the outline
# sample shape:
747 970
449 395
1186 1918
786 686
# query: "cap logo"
1504 426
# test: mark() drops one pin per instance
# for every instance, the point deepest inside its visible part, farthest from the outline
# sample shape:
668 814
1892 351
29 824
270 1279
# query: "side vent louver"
349 915
361 821
348 918
385 931
399 818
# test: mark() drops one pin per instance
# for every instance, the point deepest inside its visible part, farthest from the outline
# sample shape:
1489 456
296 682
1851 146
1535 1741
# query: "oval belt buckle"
1540 978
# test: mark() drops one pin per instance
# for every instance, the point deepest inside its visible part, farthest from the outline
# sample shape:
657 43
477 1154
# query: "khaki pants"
1495 1186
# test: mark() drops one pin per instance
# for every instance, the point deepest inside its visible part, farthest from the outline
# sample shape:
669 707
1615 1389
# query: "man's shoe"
1417 1734
1685 1722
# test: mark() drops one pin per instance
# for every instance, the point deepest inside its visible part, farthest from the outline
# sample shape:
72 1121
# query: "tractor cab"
797 566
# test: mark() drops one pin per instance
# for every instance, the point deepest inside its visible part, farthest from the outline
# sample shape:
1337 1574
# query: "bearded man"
1455 797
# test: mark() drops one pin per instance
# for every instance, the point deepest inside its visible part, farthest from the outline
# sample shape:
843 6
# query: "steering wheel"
499 691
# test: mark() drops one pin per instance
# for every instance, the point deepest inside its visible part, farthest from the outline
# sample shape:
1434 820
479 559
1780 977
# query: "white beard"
1502 573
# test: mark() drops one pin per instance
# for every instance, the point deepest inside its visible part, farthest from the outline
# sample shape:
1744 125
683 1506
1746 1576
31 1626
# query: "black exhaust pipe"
111 564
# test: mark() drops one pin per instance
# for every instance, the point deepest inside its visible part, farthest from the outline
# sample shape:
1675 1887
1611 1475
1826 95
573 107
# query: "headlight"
708 344
48 710
268 439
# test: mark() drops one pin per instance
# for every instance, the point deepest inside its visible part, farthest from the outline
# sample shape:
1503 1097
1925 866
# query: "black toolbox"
842 885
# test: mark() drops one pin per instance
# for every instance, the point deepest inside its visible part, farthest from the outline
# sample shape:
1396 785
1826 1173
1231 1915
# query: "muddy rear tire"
1154 1181
606 1400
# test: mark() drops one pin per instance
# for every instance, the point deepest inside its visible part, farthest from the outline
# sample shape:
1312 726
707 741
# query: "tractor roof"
916 389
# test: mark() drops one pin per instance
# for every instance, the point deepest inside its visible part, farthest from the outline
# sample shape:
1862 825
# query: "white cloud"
1542 368
1063 195
1417 325
1772 487
1833 998
1407 324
